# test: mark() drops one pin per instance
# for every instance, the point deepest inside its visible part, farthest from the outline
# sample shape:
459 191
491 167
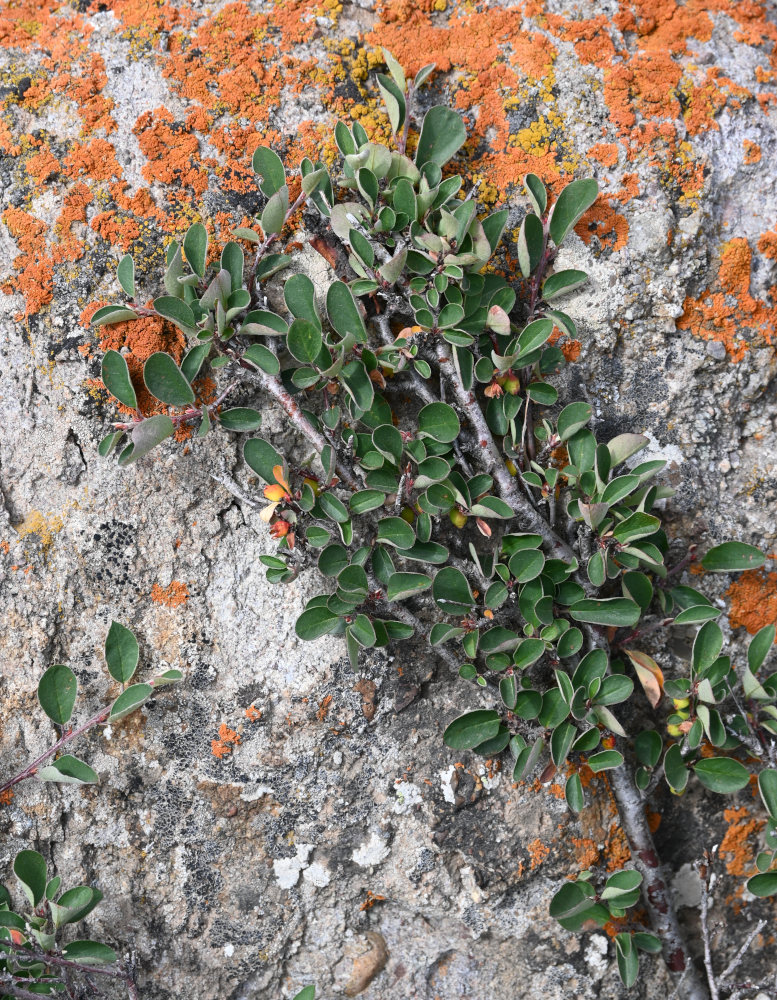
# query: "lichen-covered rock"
276 820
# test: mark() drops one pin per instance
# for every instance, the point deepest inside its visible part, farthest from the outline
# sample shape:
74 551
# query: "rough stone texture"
279 864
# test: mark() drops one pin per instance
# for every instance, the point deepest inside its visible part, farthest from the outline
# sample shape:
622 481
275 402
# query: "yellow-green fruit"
457 518
674 731
681 702
683 715
315 486
511 467
407 515
512 385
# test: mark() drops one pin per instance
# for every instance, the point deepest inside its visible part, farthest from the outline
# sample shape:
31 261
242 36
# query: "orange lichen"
736 844
767 245
752 152
35 275
172 596
726 314
6 797
226 743
753 600
604 152
253 713
602 221
538 852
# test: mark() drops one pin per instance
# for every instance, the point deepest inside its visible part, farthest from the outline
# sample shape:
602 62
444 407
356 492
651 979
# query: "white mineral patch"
229 950
317 875
287 869
408 795
373 852
446 778
596 956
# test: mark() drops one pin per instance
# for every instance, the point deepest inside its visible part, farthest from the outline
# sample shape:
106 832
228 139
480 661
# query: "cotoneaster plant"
35 958
483 514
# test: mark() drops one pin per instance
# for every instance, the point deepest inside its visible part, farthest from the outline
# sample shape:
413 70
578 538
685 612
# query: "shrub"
482 513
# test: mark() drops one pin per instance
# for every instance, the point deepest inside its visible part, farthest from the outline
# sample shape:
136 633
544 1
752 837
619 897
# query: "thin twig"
32 768
705 877
492 461
736 961
276 389
655 894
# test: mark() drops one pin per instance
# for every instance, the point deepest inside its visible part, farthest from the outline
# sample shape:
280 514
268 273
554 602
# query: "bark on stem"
492 461
32 768
655 891
275 387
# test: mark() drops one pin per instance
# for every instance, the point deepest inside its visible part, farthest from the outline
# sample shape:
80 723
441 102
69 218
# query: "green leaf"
618 611
572 418
696 615
763 885
116 379
146 436
400 586
706 646
395 531
358 384
121 653
89 953
605 760
442 135
308 992
573 201
366 500
125 272
193 360
536 192
627 958
129 700
108 315
439 422
759 647
68 770
624 446
563 282
451 592
195 246
471 729
573 792
74 905
108 443
57 693
722 774
165 381
767 786
675 769
304 341
639 525
344 313
528 652
263 358
333 508
274 212
732 557
533 336
269 166
30 868
394 101
570 900
443 633
240 418
262 458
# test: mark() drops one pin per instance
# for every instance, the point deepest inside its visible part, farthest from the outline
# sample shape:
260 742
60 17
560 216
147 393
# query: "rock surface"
331 838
